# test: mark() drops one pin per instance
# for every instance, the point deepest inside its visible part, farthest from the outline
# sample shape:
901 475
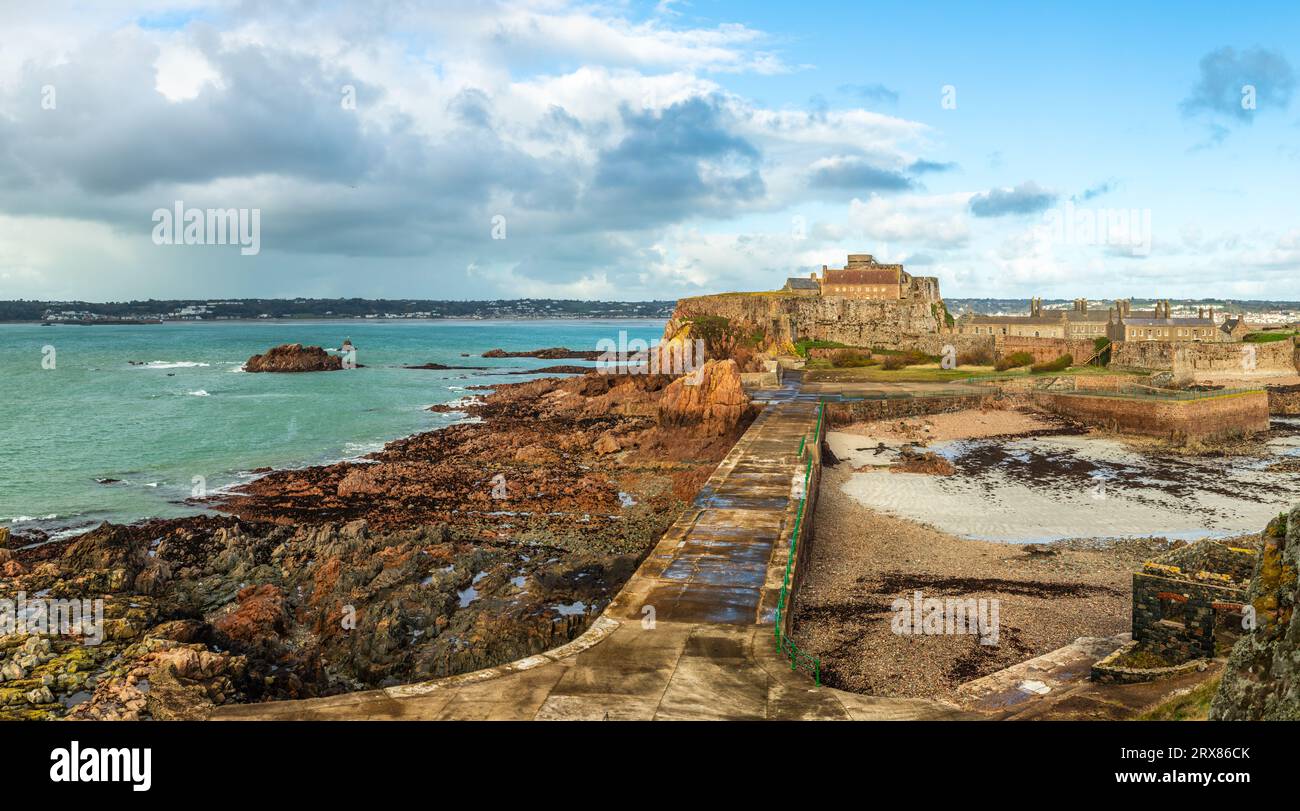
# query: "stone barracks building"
862 278
1120 322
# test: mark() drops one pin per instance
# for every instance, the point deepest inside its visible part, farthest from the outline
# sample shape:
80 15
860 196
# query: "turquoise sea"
185 409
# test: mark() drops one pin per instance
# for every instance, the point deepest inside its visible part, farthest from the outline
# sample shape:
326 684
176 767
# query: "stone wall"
784 319
1190 632
1284 400
1044 349
1215 417
847 413
1279 357
1063 382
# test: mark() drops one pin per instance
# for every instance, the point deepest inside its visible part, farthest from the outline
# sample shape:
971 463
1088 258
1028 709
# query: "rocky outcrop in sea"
294 358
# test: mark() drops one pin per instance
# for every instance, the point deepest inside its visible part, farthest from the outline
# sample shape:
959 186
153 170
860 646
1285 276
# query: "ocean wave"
462 402
198 393
22 519
352 449
170 364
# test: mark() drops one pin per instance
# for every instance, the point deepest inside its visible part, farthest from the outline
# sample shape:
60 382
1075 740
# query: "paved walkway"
690 636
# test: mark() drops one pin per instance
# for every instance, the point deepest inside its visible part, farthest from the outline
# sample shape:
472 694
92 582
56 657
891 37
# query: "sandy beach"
862 560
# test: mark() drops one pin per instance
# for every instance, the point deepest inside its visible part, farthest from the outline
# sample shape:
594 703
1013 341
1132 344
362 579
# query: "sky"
629 151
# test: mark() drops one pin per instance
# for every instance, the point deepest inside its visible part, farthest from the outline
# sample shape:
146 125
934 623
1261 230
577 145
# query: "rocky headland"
445 552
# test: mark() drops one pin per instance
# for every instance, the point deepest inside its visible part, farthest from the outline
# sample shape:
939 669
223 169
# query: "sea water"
167 411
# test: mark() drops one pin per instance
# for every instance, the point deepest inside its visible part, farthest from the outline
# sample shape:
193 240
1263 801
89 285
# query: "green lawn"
1268 337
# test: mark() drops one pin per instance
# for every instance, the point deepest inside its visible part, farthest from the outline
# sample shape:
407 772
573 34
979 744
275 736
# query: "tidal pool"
1063 485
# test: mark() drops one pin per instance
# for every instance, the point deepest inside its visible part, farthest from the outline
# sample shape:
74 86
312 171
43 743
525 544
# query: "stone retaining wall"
1044 349
1284 400
847 413
1215 417
1106 672
1190 358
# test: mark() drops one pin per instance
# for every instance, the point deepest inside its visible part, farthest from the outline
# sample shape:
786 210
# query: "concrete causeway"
690 636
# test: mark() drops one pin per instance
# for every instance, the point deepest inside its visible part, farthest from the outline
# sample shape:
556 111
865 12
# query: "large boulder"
294 358
711 397
1262 679
108 557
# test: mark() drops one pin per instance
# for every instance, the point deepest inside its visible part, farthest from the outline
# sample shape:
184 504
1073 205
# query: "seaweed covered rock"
1262 679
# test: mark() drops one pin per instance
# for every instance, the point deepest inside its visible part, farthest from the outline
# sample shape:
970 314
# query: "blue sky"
651 150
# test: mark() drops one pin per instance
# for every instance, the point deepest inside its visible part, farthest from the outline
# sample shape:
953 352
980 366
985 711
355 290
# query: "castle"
862 278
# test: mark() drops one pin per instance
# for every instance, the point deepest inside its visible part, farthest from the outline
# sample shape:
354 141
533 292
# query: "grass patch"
1059 365
1268 337
1014 361
1193 705
851 359
803 346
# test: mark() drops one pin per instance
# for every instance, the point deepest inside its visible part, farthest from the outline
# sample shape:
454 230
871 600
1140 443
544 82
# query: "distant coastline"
298 309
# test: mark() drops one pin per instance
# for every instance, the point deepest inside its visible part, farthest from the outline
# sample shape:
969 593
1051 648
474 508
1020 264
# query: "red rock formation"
294 358
712 398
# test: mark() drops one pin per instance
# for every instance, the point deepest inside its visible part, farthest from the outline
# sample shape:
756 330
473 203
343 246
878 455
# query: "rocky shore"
491 539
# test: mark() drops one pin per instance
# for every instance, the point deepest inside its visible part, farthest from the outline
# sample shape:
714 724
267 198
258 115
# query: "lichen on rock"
1262 679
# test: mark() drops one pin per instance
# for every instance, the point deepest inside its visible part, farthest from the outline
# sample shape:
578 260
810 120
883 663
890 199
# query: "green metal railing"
784 643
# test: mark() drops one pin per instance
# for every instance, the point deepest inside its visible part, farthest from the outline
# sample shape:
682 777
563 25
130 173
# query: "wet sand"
1049 483
861 560
967 424
1109 505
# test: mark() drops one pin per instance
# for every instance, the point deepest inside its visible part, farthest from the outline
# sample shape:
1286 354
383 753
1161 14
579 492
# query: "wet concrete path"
690 636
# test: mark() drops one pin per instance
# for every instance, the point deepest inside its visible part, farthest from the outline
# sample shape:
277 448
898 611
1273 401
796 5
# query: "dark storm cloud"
1027 198
681 159
111 132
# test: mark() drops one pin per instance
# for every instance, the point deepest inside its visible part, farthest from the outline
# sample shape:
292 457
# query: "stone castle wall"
1223 416
1183 357
1044 349
785 319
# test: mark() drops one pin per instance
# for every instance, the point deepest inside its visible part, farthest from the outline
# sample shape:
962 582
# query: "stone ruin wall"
1184 357
1193 638
1223 416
